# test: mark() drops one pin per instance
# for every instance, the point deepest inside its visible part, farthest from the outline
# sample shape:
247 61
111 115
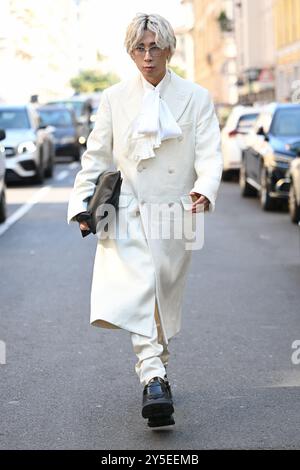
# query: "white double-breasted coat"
131 272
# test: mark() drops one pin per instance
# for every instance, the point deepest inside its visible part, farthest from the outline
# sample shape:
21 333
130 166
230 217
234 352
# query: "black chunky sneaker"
159 421
168 386
157 401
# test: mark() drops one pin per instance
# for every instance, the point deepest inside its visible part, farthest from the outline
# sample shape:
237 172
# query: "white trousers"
152 353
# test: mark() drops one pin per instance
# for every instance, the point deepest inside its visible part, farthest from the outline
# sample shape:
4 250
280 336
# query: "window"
246 122
14 119
56 118
286 123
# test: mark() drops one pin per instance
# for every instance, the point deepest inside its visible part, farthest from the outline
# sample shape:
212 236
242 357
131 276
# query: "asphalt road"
67 385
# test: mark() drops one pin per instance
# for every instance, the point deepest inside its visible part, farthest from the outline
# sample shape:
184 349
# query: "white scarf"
155 122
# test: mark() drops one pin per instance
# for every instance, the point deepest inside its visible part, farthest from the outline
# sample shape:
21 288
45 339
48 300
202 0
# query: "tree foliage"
89 81
178 70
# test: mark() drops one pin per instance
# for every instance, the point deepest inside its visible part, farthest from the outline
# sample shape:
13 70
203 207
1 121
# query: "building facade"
256 51
184 55
214 49
287 40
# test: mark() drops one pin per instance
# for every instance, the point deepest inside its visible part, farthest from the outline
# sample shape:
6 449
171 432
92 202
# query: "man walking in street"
162 133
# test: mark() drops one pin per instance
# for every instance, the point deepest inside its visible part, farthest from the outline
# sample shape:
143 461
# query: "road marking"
34 199
62 175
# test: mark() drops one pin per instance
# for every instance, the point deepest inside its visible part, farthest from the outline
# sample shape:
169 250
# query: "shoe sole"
158 422
158 409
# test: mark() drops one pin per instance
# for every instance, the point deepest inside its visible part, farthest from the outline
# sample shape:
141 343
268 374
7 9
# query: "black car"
82 108
266 160
66 132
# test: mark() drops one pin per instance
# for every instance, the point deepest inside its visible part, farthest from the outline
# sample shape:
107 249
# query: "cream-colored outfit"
131 274
155 123
153 354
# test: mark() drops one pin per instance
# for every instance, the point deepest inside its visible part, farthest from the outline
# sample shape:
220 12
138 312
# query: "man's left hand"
199 199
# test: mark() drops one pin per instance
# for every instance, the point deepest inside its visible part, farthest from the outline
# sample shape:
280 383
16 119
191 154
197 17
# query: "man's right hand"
81 219
83 226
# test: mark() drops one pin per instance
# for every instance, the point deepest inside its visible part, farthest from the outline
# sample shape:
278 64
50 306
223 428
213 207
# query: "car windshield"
14 119
77 106
246 122
56 118
286 123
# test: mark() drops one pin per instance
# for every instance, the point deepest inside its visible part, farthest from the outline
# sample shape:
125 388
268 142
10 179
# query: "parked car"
294 193
2 178
233 137
83 109
65 129
29 147
265 162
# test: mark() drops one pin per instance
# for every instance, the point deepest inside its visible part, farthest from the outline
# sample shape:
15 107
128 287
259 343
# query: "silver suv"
29 147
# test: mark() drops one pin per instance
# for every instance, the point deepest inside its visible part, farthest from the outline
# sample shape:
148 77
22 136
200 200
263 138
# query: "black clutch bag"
107 191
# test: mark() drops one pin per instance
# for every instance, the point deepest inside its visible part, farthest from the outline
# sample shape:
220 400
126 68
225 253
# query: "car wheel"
246 189
294 207
266 201
2 207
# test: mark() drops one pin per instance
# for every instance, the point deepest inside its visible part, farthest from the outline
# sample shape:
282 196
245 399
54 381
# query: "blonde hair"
164 34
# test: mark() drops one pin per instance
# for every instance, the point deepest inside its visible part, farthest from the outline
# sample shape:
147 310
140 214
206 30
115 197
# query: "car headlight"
67 140
26 147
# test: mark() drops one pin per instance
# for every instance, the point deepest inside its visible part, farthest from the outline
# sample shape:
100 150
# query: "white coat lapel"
176 96
133 99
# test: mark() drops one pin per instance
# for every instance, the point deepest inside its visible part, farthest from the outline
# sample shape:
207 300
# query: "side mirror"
2 134
260 131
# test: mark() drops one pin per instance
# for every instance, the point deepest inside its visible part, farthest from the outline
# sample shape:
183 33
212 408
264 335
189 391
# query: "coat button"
180 138
171 170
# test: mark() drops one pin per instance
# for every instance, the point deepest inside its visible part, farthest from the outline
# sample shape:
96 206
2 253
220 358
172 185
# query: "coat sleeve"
96 159
208 157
